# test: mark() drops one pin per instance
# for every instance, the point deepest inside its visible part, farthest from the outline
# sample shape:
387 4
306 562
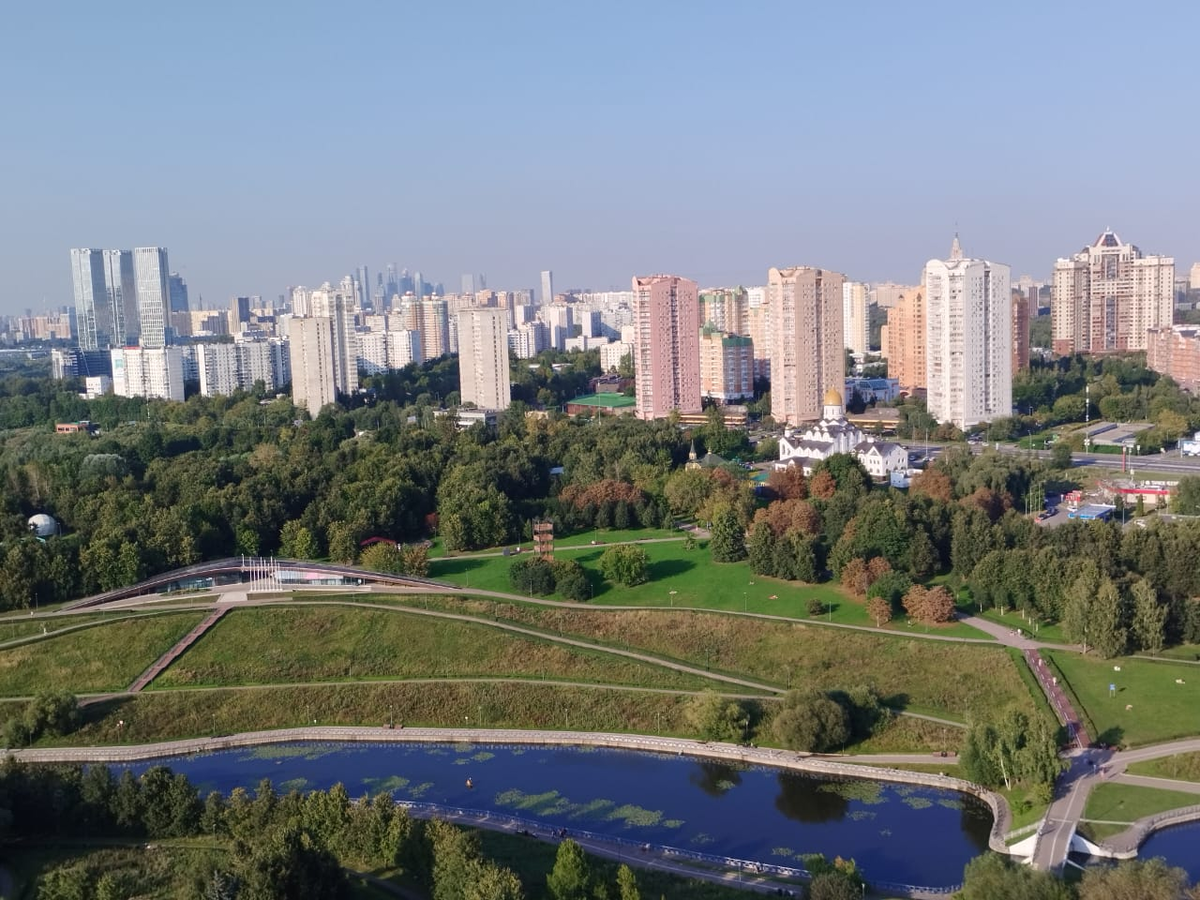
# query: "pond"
897 833
1177 845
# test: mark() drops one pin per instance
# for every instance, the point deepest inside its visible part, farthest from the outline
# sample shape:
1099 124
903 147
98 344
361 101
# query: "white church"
834 434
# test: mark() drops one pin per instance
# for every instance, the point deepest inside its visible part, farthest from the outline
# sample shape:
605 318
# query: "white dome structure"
43 525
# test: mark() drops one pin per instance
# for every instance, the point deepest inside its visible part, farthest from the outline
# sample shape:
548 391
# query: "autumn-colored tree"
929 605
788 484
788 516
880 610
934 484
858 574
993 503
822 485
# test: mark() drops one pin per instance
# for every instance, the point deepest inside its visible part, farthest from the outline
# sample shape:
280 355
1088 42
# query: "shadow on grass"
450 566
1111 737
667 568
91 712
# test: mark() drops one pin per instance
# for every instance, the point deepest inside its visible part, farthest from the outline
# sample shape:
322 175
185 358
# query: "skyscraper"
312 358
666 320
856 316
968 347
93 315
808 354
150 270
1107 297
177 288
483 358
120 287
547 287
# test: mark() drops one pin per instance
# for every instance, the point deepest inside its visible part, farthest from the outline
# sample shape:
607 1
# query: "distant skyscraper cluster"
124 297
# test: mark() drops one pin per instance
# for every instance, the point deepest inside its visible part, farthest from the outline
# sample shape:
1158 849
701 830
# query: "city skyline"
447 176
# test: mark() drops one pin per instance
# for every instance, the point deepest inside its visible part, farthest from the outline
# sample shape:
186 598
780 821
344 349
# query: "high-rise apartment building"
807 355
547 287
725 309
337 305
856 316
886 294
904 339
1020 331
148 372
1194 277
726 366
150 272
666 319
1175 352
311 345
968 346
529 339
224 368
483 358
120 287
178 292
1107 297
758 328
93 314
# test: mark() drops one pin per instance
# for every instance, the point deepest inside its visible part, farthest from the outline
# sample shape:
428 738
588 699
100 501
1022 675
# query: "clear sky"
269 143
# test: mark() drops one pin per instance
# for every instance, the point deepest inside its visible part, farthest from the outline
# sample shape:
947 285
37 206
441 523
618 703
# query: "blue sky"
272 143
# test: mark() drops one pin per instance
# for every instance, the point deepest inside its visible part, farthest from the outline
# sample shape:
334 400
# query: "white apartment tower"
1106 297
337 305
968 346
856 316
483 358
808 350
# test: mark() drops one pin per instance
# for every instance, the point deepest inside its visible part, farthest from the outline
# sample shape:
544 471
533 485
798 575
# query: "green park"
822 614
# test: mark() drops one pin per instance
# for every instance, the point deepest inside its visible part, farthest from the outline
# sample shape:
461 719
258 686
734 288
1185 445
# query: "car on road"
1046 514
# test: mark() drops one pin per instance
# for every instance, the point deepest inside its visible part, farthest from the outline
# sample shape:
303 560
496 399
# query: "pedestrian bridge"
1027 849
258 573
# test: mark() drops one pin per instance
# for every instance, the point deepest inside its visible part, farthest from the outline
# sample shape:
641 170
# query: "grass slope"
104 658
931 676
1115 802
1181 767
1159 709
689 578
261 645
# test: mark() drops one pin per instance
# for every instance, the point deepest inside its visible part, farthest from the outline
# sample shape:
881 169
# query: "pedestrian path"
1062 707
171 655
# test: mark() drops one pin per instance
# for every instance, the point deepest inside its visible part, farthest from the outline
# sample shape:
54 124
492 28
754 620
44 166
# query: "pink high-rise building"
666 320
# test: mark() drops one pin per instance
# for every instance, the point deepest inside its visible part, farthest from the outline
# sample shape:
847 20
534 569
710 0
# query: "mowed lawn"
1116 802
582 539
1148 705
936 676
104 658
689 578
261 645
1181 767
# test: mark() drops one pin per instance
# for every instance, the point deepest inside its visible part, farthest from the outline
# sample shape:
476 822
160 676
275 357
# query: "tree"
996 877
625 564
627 886
1149 618
761 549
382 556
1060 456
1186 500
834 886
489 881
810 721
297 542
342 543
571 877
929 605
1108 635
880 610
532 575
571 581
454 853
1150 879
291 865
714 718
728 542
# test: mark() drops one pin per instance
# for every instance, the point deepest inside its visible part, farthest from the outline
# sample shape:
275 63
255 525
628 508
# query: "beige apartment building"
311 345
1107 297
725 309
807 353
666 321
856 316
903 340
1175 352
726 366
483 377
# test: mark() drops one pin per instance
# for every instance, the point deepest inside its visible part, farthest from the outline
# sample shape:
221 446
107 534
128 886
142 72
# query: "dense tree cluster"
541 577
816 721
996 877
625 564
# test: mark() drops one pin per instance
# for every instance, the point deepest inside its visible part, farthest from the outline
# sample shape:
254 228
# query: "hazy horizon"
280 144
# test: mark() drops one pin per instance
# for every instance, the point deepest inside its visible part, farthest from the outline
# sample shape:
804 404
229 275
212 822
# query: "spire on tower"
956 248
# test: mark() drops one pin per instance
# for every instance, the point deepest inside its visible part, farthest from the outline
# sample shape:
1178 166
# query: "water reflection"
715 778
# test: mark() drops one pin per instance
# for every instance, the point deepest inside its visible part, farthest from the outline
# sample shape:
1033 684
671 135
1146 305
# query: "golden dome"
832 397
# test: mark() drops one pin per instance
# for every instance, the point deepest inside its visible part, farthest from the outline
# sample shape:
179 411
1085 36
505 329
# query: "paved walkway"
180 647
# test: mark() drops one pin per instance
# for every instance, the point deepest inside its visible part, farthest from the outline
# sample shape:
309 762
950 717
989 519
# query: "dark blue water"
896 833
1179 846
